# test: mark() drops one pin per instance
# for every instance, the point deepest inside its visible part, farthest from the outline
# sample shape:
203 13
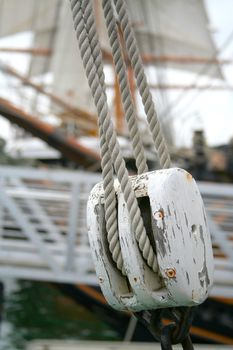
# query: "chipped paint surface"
113 285
185 242
181 238
189 176
204 274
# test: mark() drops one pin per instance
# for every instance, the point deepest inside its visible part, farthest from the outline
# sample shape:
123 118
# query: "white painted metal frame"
218 200
43 225
50 194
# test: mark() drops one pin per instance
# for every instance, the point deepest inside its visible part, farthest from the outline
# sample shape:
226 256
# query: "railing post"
72 227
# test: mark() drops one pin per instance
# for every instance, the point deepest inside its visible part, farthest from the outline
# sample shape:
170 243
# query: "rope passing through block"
149 238
175 222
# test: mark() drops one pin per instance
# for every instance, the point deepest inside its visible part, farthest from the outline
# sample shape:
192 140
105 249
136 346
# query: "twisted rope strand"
110 136
118 161
142 85
107 171
109 192
127 100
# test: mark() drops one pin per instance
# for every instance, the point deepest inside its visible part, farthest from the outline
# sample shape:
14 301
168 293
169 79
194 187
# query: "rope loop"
112 159
111 154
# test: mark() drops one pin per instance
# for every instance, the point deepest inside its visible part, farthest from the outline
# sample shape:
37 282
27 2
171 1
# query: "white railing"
43 233
218 199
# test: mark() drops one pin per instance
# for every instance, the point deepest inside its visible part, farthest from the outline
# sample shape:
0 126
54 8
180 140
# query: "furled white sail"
20 16
69 79
170 28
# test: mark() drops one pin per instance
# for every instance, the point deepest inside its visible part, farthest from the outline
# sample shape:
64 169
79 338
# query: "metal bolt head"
159 215
171 272
189 177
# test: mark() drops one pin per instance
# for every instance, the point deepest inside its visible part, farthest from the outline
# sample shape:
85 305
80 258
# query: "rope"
94 70
110 216
112 159
110 212
107 171
142 85
127 100
118 161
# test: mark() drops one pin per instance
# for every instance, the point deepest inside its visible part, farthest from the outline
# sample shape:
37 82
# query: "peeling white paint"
182 239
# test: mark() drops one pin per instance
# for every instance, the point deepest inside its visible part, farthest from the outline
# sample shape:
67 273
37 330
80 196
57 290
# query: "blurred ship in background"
46 78
44 94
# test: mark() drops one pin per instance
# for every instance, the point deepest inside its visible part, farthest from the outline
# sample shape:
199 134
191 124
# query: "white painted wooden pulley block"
114 285
175 221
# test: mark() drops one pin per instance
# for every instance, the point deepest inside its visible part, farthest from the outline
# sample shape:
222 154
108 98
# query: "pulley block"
175 221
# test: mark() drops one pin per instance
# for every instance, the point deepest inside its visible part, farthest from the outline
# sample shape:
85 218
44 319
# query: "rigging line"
128 106
116 154
101 102
127 100
205 69
96 81
59 101
141 80
106 162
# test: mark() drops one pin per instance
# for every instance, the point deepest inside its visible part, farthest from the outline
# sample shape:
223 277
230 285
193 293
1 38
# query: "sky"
210 110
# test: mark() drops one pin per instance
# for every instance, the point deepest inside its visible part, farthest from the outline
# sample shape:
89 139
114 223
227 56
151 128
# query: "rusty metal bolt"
189 177
171 272
158 215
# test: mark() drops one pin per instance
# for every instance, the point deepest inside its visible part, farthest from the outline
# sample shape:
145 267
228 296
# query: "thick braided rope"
126 96
107 171
109 192
118 161
110 136
135 137
142 85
